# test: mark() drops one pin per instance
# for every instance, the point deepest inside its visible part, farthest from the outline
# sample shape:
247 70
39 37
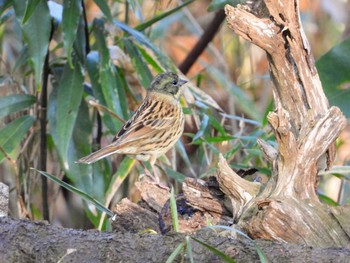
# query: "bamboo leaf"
175 175
30 7
37 34
217 125
327 200
14 103
72 10
107 73
22 59
161 16
124 169
151 61
337 169
13 133
202 128
82 194
92 64
139 64
143 40
104 8
69 97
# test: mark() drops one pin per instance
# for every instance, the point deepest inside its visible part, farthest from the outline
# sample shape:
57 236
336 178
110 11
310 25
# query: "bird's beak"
181 82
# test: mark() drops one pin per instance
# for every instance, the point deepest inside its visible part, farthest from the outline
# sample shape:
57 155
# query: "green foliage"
13 133
70 20
14 103
334 70
36 31
69 95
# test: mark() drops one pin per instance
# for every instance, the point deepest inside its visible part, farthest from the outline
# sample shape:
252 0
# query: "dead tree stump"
287 207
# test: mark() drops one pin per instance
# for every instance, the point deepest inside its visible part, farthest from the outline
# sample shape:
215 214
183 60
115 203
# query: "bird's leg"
154 177
147 172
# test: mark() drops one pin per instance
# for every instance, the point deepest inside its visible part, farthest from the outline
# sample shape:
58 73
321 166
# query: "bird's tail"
98 155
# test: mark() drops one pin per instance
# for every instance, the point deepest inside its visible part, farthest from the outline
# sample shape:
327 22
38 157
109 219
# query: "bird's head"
168 83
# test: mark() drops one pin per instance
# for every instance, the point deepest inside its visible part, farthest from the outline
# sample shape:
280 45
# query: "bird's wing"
148 120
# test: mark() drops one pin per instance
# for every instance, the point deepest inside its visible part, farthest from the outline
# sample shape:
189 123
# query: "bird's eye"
175 82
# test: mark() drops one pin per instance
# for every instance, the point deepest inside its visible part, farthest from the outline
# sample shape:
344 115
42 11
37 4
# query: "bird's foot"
154 179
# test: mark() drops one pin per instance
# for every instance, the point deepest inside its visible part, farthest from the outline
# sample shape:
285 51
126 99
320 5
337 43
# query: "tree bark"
287 207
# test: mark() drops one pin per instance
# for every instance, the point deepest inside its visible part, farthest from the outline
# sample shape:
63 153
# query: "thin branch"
203 42
43 135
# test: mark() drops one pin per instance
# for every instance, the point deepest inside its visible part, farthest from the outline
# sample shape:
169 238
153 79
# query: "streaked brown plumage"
154 128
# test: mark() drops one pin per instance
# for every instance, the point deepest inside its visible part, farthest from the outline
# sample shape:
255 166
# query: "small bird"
155 126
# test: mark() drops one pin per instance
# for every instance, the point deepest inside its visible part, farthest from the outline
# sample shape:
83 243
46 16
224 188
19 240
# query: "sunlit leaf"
327 200
13 133
14 103
72 10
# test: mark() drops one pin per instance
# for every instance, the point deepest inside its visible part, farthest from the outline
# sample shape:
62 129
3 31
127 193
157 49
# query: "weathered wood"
288 209
27 241
4 199
201 202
